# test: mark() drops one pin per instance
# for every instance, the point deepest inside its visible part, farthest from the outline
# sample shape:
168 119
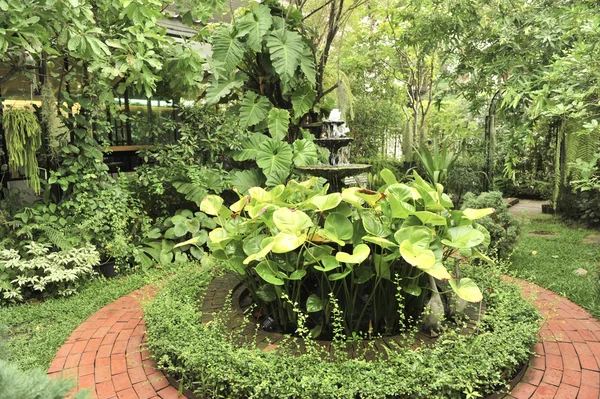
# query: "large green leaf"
221 88
431 218
286 242
267 270
419 236
305 153
303 100
250 147
314 304
242 180
382 242
279 121
254 25
338 227
415 256
266 247
474 214
373 225
226 48
286 49
307 65
463 237
211 205
292 221
467 290
438 270
253 109
274 156
328 263
360 254
326 202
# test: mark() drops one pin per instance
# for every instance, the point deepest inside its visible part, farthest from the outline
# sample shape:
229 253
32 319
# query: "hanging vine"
23 136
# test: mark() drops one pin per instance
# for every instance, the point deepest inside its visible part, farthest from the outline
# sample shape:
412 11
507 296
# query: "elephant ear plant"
376 256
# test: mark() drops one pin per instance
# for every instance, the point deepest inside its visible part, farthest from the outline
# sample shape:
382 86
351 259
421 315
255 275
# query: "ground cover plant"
551 252
36 330
210 361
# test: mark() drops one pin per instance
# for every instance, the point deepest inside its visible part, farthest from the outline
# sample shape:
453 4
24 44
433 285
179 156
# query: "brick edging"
106 352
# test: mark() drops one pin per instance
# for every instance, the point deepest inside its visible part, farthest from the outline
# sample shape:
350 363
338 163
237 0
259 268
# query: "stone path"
106 352
529 207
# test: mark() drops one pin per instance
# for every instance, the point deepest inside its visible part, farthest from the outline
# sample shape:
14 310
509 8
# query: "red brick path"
105 353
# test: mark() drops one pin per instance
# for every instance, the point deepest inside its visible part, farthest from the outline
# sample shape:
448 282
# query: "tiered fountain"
333 137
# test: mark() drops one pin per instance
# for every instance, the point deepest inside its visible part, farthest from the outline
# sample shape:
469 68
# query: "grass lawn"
37 330
550 260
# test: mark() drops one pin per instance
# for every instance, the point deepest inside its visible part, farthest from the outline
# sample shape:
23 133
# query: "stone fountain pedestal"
335 140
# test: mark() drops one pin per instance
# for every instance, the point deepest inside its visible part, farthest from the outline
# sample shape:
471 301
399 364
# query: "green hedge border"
456 366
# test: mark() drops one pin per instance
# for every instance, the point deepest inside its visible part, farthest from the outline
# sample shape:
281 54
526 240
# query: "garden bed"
212 363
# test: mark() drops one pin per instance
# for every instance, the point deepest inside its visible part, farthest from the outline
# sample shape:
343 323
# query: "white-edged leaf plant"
297 242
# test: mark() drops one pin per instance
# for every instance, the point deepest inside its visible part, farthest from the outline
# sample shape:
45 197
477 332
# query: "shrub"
503 227
31 384
294 244
44 272
212 364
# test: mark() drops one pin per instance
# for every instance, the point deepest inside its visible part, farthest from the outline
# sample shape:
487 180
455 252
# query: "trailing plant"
213 364
298 241
23 136
504 228
56 134
43 273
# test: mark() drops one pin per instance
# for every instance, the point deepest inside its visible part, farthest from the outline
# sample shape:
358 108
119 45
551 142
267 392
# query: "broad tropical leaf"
307 65
360 254
253 109
242 180
274 156
279 121
305 153
254 25
303 100
250 147
463 237
218 89
467 290
226 48
291 221
286 48
418 257
473 214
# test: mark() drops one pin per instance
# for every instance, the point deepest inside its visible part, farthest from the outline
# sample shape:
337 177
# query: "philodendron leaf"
254 25
266 246
307 65
218 235
291 220
467 290
252 245
338 227
362 274
463 237
297 274
305 152
221 88
226 48
382 242
274 156
286 48
314 304
328 263
388 176
303 100
474 214
419 236
339 276
267 271
286 242
279 121
439 271
431 218
326 202
253 109
373 225
360 254
413 289
266 292
415 256
211 205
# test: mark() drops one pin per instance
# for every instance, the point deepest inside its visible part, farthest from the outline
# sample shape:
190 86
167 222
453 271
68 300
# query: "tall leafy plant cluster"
264 62
295 246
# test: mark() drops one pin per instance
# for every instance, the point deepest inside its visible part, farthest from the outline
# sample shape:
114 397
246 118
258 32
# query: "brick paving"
106 352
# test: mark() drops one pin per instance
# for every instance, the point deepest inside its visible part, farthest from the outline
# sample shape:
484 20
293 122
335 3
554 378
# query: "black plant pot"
108 269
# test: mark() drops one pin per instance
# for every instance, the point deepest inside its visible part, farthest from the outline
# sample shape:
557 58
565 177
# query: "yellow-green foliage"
23 139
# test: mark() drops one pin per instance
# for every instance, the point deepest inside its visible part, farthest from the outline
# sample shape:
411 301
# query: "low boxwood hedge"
456 366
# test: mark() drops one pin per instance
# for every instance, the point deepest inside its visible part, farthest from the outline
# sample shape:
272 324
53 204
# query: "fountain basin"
332 172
